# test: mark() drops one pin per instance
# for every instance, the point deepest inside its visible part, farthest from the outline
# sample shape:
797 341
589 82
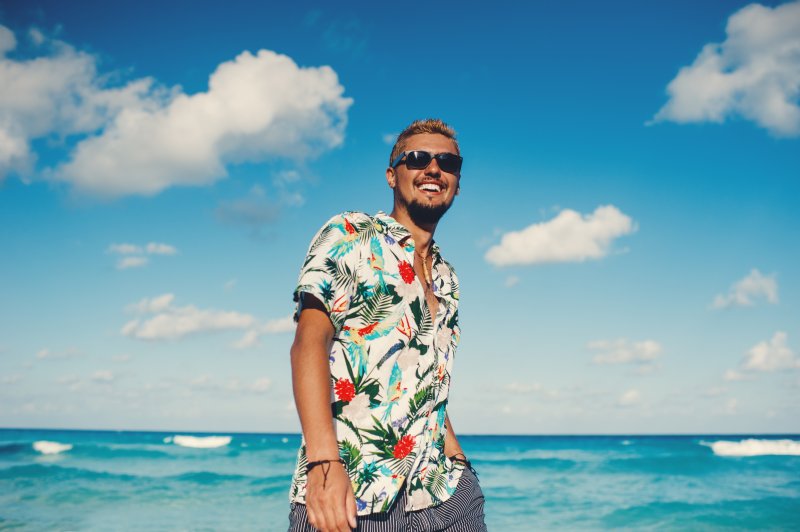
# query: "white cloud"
772 355
156 248
629 398
134 254
102 375
754 73
746 291
511 281
152 305
141 138
569 237
126 263
230 284
252 337
172 322
257 107
624 351
767 356
47 353
389 138
55 95
125 249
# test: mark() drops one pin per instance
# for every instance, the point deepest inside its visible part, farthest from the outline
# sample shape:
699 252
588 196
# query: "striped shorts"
463 512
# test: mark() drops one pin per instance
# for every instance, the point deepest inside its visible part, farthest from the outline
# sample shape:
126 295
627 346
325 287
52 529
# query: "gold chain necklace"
425 268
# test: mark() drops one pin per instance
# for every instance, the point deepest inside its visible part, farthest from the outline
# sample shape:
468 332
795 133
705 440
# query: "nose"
433 168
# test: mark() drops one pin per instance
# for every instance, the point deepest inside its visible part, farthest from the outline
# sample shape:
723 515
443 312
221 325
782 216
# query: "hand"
330 502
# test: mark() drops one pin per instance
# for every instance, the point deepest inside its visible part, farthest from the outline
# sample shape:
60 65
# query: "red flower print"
406 272
345 390
403 447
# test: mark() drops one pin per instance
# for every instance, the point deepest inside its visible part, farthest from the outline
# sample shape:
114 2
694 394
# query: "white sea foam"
51 447
198 442
168 439
753 447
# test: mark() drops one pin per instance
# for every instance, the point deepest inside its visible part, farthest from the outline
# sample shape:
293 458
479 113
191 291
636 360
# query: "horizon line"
542 434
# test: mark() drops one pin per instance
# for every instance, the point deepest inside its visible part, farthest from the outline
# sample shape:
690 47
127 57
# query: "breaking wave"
51 447
753 447
201 442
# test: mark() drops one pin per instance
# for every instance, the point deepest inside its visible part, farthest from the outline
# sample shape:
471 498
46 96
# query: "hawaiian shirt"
390 361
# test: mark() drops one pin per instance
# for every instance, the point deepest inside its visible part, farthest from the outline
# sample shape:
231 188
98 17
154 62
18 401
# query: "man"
377 329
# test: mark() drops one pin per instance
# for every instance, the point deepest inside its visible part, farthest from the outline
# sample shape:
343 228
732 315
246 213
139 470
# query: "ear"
391 178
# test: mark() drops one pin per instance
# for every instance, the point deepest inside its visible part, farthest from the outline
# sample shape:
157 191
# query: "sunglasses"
418 160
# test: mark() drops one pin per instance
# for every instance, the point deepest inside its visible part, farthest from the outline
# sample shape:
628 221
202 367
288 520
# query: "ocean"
121 480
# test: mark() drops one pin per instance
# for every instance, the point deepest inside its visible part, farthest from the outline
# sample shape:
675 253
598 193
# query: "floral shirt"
390 361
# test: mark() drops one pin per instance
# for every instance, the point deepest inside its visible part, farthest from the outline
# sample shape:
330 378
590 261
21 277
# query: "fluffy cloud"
160 319
142 138
771 355
623 351
152 305
157 248
102 375
754 73
126 263
47 353
745 291
767 356
133 254
58 95
171 322
252 337
569 237
125 249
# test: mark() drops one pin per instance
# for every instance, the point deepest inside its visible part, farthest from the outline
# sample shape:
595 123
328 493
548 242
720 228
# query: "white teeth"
431 187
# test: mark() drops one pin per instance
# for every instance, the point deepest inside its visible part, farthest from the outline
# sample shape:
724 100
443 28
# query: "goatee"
423 215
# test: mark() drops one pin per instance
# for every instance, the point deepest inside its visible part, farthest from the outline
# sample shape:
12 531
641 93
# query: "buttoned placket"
438 322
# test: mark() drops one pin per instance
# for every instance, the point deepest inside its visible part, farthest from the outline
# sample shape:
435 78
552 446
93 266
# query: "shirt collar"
400 232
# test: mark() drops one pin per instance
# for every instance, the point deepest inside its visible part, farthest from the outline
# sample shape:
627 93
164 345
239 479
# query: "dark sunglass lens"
418 159
449 162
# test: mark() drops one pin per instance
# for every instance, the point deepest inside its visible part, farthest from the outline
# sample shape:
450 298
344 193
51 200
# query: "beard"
423 215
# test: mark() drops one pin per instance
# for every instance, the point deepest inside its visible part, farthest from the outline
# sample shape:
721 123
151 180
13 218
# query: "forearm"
311 380
451 445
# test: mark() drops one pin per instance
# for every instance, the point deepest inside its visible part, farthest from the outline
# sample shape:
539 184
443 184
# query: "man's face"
425 193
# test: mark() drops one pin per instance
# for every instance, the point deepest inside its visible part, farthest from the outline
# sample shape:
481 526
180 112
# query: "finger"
312 515
340 520
330 517
350 509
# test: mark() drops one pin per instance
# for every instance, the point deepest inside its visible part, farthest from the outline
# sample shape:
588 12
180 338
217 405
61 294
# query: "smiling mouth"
433 188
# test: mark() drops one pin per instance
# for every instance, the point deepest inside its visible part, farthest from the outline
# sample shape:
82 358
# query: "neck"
422 234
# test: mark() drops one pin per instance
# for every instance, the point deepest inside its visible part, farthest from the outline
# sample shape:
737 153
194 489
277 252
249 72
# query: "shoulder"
353 220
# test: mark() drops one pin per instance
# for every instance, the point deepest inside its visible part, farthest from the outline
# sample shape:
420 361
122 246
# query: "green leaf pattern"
390 361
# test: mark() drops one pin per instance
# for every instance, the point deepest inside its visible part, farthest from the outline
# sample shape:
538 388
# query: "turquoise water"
103 480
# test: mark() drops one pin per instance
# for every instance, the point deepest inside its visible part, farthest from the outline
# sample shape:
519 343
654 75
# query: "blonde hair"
417 127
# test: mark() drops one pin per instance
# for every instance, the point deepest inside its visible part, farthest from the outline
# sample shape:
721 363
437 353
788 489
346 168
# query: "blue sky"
625 236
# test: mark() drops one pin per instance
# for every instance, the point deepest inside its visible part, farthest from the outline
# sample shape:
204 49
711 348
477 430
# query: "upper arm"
329 272
314 327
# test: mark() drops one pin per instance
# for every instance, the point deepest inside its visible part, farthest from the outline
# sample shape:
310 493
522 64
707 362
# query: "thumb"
350 510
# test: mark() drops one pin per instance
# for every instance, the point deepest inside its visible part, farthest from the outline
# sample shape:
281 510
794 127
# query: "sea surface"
110 480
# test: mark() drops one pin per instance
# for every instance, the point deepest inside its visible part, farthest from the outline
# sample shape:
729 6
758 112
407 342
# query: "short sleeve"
329 271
